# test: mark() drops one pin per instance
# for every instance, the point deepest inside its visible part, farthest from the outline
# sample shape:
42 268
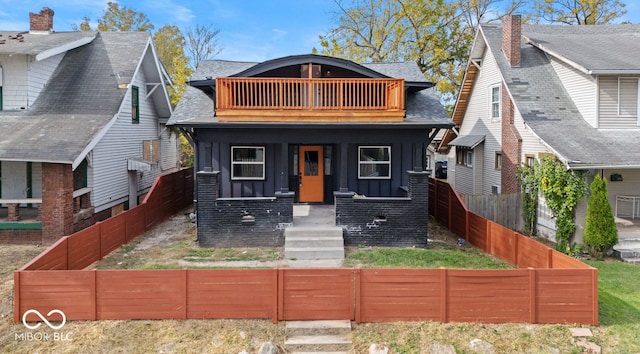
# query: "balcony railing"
287 94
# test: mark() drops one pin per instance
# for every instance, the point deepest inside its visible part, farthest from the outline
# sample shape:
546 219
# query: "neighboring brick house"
310 129
82 132
567 91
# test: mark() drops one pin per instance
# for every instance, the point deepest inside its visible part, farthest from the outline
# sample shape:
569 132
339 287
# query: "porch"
628 246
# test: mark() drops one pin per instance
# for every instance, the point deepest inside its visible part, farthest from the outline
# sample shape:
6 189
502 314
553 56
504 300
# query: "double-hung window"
495 102
374 162
247 162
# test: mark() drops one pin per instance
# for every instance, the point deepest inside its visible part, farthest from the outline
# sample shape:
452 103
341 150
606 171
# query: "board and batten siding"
14 82
478 121
124 140
39 73
582 89
613 95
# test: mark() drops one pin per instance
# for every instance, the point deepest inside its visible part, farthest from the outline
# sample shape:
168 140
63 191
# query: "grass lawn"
438 254
619 305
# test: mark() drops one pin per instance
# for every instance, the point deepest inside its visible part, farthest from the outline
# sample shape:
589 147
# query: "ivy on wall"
562 190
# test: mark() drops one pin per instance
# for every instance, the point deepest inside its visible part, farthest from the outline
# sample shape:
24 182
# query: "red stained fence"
549 287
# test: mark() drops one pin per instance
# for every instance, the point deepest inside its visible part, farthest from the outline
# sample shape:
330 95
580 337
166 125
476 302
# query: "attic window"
135 105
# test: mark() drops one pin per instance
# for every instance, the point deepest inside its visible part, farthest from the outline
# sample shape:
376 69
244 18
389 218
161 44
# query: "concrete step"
632 260
314 241
318 343
624 254
324 231
314 253
323 327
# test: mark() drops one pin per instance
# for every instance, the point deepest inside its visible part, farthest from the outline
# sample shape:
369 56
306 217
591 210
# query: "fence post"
515 248
280 294
449 211
532 296
467 226
184 292
93 295
443 295
594 305
357 296
489 237
550 258
275 294
16 296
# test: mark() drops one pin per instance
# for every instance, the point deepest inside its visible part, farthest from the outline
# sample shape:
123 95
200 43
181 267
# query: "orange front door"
311 174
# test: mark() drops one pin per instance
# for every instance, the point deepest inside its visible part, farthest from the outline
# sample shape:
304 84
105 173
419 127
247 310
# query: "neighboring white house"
82 132
568 91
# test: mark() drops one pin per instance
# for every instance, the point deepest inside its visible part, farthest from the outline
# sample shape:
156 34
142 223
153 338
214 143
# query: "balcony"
309 100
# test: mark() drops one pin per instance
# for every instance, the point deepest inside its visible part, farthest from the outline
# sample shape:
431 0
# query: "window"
498 160
151 150
628 97
495 102
135 105
247 162
529 160
80 175
374 162
464 157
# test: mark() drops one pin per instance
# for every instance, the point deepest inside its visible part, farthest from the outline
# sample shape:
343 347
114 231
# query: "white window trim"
468 158
619 100
360 162
499 102
263 163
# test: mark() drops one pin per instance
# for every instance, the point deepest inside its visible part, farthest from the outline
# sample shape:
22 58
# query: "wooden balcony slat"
340 95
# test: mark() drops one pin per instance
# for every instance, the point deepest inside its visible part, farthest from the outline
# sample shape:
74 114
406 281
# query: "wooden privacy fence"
549 287
364 295
169 194
503 209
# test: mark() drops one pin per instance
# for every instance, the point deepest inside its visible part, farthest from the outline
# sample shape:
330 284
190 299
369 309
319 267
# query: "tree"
202 44
529 193
118 19
169 43
600 232
579 12
436 34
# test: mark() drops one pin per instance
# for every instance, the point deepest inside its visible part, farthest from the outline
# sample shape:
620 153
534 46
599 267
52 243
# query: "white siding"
169 144
610 93
39 74
630 185
14 179
124 140
582 89
14 81
36 180
477 121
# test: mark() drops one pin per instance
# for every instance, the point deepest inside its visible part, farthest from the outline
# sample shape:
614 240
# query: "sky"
250 30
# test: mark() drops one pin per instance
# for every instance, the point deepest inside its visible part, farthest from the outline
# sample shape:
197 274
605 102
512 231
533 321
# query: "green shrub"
600 233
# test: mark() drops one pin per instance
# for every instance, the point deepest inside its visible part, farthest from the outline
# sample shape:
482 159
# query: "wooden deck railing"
309 94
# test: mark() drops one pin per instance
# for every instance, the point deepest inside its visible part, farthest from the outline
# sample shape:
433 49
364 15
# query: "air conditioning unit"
495 189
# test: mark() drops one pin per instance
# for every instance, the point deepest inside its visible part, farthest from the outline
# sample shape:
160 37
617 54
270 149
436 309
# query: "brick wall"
511 146
240 222
42 21
386 221
20 237
511 34
57 201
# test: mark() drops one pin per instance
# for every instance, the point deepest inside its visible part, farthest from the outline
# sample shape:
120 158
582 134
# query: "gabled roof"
196 105
42 46
546 107
78 103
607 49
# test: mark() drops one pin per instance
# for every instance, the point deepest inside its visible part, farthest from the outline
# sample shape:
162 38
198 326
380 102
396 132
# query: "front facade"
307 129
542 90
82 123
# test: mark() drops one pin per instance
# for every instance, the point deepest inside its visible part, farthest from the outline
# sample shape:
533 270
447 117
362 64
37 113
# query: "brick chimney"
41 22
511 34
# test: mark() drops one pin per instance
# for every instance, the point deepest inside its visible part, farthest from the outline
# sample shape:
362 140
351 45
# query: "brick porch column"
57 201
13 212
